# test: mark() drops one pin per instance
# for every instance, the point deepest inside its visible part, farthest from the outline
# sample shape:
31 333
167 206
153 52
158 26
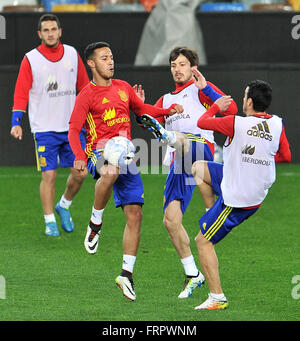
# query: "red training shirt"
104 111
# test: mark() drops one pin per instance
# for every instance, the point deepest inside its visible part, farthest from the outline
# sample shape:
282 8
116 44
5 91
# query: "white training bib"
249 165
186 121
53 92
193 110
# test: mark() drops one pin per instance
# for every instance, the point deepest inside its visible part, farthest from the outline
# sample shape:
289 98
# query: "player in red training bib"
103 108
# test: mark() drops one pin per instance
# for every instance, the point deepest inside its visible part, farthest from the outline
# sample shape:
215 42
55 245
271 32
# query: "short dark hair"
190 54
89 50
261 94
47 17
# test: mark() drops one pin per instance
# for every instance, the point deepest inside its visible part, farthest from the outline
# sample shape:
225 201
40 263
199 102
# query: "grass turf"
54 279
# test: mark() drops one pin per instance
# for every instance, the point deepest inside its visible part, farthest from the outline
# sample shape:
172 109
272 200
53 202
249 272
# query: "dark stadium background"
239 47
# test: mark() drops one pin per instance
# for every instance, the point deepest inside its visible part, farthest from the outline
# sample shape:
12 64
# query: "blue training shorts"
128 189
52 147
180 183
220 219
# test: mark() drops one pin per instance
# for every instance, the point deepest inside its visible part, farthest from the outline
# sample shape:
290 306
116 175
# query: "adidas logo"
261 130
105 100
249 150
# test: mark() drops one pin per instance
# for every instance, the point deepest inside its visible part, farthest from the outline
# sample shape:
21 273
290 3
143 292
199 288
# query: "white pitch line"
289 174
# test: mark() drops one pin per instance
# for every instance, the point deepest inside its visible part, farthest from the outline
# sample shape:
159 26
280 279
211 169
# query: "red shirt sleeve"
159 104
140 108
224 125
284 153
82 76
77 120
23 86
231 110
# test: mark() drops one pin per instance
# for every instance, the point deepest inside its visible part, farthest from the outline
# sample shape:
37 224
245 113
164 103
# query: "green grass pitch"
54 279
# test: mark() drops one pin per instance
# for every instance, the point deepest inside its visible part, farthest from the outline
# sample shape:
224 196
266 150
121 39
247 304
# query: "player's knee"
196 167
109 172
83 174
79 176
49 177
198 171
166 221
134 215
201 241
170 223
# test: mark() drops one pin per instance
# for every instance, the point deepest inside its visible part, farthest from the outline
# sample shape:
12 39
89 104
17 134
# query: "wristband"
16 118
211 93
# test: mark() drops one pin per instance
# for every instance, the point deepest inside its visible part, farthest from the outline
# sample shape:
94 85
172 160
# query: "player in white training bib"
191 144
254 143
48 79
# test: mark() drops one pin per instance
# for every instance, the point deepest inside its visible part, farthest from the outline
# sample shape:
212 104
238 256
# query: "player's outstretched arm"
223 102
212 92
140 108
223 125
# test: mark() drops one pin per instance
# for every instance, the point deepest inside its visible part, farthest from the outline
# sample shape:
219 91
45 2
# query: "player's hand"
140 92
223 102
199 79
176 109
16 132
80 165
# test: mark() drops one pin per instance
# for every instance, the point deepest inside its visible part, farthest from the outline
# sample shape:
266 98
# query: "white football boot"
213 304
91 239
191 284
127 286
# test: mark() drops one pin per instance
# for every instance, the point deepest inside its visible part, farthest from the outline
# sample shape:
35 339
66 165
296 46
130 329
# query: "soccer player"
103 108
254 143
193 143
48 78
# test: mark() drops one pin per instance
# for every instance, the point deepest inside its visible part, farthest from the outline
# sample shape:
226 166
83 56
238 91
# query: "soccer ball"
119 151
